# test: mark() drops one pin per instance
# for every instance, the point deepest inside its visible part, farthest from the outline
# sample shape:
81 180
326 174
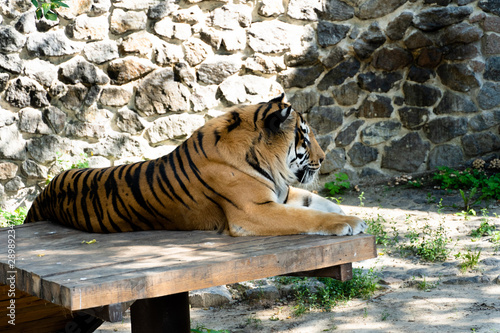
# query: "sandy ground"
455 301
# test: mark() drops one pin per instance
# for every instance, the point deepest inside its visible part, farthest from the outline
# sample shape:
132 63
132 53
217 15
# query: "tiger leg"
272 219
302 198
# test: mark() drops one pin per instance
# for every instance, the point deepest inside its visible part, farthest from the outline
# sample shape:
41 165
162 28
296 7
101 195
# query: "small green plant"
416 183
469 198
362 285
428 244
385 315
340 184
426 285
46 8
485 229
254 322
203 329
495 239
361 197
440 206
467 214
15 218
376 228
469 259
430 198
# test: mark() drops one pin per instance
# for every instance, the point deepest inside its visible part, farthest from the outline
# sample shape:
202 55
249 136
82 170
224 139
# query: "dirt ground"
453 301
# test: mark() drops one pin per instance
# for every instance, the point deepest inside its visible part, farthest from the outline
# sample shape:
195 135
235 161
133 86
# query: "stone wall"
391 86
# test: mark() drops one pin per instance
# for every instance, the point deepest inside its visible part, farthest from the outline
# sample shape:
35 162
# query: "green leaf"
51 16
45 8
39 13
35 3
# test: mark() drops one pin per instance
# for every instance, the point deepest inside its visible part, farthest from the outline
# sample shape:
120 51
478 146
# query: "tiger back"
232 175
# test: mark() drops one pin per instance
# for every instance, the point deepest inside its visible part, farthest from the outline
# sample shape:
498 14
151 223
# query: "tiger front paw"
358 226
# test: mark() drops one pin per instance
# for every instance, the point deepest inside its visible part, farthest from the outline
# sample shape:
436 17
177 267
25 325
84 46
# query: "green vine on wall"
46 8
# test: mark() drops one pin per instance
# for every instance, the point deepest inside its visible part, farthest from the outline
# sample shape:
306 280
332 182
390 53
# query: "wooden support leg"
161 314
340 272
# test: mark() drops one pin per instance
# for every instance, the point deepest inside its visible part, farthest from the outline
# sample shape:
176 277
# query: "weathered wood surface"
53 264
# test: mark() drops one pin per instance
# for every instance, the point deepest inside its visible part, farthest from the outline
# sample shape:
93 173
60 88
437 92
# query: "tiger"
234 174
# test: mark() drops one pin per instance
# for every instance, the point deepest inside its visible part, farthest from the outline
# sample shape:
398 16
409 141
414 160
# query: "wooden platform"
57 265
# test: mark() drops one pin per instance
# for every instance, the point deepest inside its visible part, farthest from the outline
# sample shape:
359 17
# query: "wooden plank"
124 267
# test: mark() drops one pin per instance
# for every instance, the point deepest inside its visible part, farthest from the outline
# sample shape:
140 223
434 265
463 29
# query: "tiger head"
287 136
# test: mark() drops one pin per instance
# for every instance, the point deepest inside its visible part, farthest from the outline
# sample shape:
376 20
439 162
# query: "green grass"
428 244
362 285
340 184
15 218
468 260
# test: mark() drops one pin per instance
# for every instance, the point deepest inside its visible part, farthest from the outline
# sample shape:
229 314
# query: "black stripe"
181 164
179 181
196 172
217 136
287 194
164 175
150 171
306 201
251 159
266 111
264 203
200 142
236 121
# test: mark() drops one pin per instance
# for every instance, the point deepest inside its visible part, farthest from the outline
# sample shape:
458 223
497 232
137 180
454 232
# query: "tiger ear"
279 99
274 122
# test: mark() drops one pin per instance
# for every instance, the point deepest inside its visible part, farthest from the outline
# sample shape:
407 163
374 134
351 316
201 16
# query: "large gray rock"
260 63
272 36
173 127
455 103
359 154
214 296
128 69
380 132
33 170
335 160
196 51
129 121
348 133
391 58
120 145
125 21
372 9
303 101
12 144
406 154
420 95
459 77
102 51
26 23
300 77
484 120
396 28
375 106
248 89
45 148
31 121
231 16
336 10
334 57
81 129
78 70
340 73
413 118
330 33
88 28
489 95
369 41
23 92
52 44
460 33
325 119
378 82
444 129
10 39
436 18
492 71
492 6
11 62
480 143
74 97
158 93
167 54
445 155
347 94
218 68
56 119
41 71
8 170
115 96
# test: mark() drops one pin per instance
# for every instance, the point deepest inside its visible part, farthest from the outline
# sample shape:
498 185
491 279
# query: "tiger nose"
321 160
